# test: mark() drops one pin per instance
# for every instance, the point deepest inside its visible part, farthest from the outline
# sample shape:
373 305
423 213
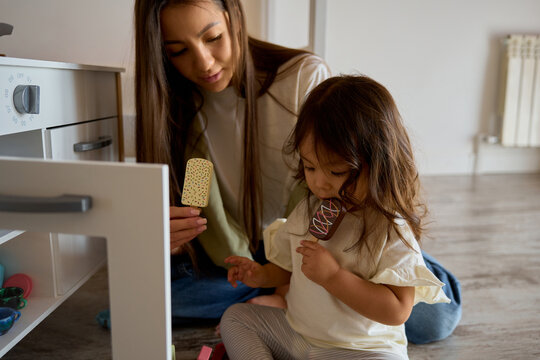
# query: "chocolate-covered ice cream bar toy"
196 189
326 219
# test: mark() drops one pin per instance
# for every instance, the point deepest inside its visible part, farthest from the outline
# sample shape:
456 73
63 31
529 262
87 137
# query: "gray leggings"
260 332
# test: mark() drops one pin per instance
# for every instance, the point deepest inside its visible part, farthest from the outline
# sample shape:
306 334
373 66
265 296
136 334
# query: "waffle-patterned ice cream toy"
197 182
326 219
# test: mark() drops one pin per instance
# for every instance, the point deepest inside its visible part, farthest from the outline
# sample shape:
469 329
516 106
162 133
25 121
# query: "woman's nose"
204 59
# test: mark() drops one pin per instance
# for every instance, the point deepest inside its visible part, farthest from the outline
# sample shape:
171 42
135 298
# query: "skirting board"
495 158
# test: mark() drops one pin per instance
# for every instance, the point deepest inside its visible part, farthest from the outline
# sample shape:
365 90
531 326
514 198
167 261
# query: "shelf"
6 235
34 312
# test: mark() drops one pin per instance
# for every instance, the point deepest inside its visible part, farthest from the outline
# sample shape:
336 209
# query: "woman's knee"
429 323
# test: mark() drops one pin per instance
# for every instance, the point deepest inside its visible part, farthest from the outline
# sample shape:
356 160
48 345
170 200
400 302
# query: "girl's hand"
245 270
185 224
317 263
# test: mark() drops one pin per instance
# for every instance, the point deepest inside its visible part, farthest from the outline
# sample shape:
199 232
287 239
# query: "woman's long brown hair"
357 119
167 103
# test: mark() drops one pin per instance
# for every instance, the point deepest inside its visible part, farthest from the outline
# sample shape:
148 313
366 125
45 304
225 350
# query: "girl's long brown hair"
167 103
357 119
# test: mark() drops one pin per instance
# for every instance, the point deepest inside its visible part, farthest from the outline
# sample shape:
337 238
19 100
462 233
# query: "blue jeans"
199 297
206 294
432 322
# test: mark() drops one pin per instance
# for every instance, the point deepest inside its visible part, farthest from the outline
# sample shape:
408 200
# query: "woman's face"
198 43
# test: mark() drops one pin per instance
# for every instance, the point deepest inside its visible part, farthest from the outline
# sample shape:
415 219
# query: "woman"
206 89
202 92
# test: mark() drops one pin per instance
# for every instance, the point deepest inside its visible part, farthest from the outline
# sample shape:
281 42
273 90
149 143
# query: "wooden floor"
486 230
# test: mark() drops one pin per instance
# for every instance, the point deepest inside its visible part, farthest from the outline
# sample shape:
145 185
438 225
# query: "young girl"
349 296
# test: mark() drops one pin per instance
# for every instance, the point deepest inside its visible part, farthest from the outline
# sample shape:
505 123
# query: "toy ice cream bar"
197 182
326 219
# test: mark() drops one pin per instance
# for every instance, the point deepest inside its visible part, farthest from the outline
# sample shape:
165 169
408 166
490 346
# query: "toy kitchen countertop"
36 94
23 62
55 111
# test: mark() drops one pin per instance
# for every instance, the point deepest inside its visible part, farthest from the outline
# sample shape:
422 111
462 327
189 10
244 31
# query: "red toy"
22 281
218 353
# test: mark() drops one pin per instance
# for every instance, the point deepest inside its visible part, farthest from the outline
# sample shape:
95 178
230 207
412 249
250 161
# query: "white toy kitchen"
57 111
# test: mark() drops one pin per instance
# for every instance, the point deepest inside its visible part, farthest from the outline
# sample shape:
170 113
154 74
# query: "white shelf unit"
137 245
78 104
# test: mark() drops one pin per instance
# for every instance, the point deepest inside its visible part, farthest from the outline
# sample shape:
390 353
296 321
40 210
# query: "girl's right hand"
185 225
246 271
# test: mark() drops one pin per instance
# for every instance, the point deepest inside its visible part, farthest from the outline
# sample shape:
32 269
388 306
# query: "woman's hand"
245 270
317 263
185 224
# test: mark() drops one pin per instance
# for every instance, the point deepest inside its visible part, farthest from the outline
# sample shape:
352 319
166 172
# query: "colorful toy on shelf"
12 297
8 317
22 281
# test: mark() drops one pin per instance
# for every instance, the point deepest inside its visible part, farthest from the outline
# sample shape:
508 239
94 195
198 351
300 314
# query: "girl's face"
198 43
326 173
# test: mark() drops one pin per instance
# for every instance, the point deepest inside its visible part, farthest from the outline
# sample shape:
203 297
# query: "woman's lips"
212 78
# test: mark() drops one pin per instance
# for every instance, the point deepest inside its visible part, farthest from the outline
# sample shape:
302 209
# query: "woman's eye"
307 168
216 38
340 173
178 53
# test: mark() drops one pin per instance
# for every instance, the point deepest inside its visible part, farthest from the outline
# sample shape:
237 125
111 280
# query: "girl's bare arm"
387 304
254 274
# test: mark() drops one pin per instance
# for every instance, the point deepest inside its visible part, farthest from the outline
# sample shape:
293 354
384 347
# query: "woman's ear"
237 27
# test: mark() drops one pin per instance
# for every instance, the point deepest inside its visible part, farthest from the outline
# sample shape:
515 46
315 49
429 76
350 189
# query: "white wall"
281 21
97 32
440 60
255 11
94 32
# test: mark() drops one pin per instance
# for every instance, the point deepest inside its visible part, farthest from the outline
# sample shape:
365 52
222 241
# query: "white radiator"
521 91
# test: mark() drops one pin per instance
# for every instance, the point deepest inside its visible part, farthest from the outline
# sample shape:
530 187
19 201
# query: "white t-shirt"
224 134
323 319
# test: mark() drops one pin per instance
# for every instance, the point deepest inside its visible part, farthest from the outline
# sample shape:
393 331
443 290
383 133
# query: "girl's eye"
340 173
215 38
307 168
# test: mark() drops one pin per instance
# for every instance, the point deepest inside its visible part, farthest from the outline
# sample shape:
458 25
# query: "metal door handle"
101 142
57 204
